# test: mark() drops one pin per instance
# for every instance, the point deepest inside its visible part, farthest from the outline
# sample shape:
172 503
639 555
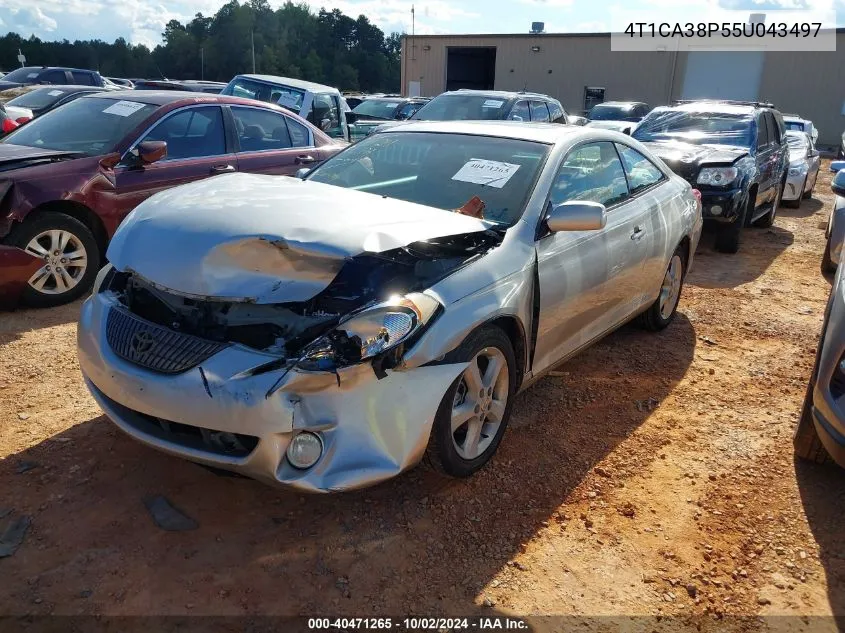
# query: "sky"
142 21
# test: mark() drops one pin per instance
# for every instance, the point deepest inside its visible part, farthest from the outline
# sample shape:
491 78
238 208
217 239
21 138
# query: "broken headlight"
372 331
717 176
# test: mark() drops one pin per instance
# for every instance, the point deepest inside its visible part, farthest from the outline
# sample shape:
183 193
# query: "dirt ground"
651 475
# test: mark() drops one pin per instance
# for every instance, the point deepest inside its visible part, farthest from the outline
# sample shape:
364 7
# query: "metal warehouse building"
581 70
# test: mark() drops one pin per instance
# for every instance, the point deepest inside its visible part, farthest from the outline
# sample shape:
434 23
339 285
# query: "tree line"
327 47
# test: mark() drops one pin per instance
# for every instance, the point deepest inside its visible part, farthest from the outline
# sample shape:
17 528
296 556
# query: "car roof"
67 88
87 70
713 106
164 97
293 83
502 94
627 104
538 132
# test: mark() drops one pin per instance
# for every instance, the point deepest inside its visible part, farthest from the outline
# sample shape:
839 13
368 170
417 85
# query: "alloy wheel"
480 403
670 291
65 261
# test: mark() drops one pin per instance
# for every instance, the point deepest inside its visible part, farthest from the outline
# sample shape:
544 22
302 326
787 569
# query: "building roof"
517 35
293 83
537 132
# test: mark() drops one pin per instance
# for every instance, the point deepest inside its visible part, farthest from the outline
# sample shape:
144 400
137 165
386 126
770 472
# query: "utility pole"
252 37
413 40
202 63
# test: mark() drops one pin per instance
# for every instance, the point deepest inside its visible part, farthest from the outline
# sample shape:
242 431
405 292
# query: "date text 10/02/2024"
500 623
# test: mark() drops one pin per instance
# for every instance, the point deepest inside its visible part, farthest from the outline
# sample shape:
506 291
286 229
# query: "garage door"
723 75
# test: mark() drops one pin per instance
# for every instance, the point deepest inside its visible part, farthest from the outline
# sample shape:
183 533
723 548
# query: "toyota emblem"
141 343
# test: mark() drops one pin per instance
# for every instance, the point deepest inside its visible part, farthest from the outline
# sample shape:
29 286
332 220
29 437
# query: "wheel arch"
80 212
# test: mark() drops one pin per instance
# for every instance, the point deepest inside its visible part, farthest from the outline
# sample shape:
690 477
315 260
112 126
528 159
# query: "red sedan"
69 177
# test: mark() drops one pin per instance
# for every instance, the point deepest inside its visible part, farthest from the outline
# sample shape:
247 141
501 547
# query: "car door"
520 112
539 111
270 142
588 279
814 160
196 148
766 152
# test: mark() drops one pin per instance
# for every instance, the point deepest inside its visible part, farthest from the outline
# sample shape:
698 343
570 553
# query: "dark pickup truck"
734 153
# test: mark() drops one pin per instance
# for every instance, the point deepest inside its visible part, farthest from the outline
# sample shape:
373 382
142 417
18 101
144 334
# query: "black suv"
29 75
734 152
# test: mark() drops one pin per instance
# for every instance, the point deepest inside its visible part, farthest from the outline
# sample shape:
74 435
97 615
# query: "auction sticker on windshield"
124 108
486 172
492 103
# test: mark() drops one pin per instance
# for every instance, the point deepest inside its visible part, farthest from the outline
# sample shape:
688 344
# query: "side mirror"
837 165
838 184
515 117
152 151
580 215
302 172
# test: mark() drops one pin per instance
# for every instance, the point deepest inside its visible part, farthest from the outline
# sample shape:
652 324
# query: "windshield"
607 112
38 99
696 127
285 96
378 108
462 107
91 126
794 125
23 75
445 171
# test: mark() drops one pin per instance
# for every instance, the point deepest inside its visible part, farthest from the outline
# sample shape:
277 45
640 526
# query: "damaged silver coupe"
331 331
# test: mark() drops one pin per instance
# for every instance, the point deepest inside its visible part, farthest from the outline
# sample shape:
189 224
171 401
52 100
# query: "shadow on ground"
805 210
822 490
758 248
419 544
13 324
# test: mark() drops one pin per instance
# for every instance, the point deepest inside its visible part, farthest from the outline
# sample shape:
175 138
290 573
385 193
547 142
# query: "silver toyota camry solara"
329 332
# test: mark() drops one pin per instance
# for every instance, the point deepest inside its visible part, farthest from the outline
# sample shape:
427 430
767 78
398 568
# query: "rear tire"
74 251
828 267
663 310
806 441
449 439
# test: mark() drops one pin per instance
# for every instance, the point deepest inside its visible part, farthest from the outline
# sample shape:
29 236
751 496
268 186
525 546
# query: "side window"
325 114
641 172
539 111
260 130
407 111
83 79
774 130
299 134
191 133
53 77
591 172
762 132
520 112
556 112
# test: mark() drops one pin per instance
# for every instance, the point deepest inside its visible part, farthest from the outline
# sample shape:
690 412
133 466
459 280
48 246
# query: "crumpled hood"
675 152
266 239
10 154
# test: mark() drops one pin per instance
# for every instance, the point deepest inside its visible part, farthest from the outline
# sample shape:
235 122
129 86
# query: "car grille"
154 347
195 437
687 171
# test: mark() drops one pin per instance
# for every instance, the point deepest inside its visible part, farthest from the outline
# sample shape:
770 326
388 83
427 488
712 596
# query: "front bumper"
371 429
721 206
16 267
794 188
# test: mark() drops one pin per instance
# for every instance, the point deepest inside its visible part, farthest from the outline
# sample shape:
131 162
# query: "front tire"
474 412
71 258
663 310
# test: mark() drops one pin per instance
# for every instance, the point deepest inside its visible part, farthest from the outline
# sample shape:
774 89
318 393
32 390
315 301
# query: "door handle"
222 169
304 160
637 234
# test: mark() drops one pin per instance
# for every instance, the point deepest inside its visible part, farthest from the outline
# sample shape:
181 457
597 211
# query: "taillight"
8 125
697 194
23 119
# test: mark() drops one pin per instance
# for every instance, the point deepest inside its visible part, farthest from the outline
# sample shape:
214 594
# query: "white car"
800 124
323 106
